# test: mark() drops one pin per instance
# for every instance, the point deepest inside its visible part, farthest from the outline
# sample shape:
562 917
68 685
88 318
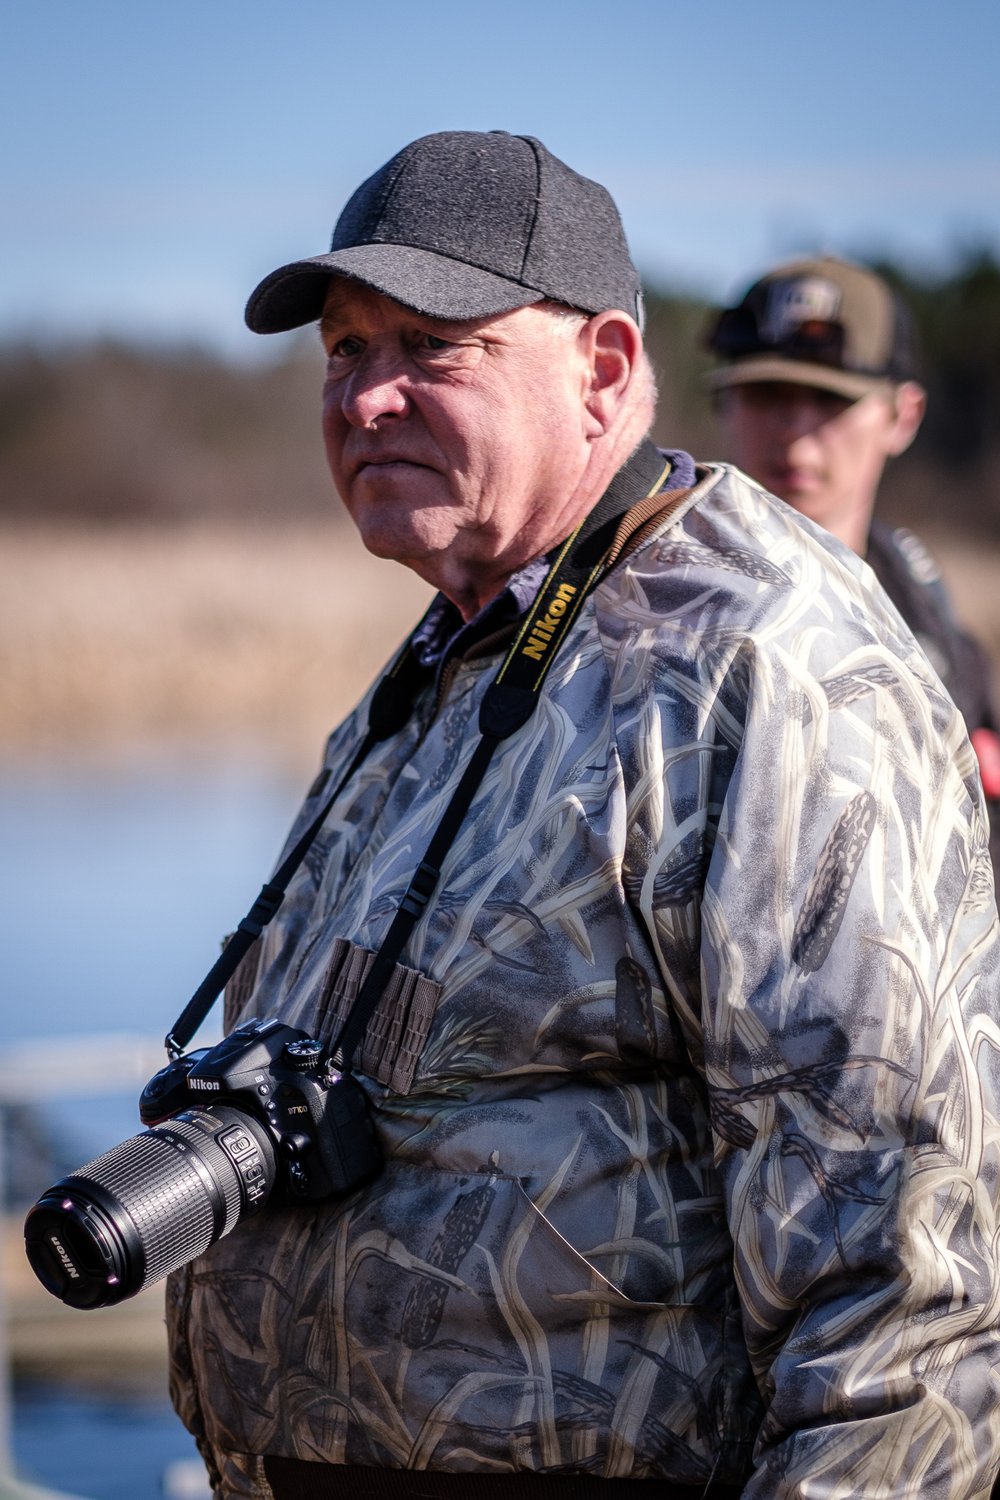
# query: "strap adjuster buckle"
263 909
420 889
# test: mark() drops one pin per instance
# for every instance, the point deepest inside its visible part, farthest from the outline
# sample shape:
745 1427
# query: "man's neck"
471 587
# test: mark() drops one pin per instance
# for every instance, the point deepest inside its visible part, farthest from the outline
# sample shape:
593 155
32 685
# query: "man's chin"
390 548
806 501
399 539
803 497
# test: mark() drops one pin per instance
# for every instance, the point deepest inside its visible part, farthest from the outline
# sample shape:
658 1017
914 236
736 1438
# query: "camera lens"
149 1205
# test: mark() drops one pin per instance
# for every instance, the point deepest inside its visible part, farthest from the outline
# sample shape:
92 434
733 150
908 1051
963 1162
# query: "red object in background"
986 744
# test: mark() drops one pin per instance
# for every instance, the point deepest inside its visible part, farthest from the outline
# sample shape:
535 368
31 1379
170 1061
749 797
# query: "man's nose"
375 388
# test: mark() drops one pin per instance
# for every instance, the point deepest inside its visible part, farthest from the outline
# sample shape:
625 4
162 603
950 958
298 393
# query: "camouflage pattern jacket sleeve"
913 581
687 1082
844 1008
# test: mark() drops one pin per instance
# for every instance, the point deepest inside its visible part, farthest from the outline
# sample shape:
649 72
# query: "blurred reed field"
176 569
114 639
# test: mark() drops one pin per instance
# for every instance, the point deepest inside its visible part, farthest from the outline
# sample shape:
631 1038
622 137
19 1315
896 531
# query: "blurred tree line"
109 432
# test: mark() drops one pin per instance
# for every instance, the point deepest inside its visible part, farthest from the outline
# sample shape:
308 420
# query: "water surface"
116 886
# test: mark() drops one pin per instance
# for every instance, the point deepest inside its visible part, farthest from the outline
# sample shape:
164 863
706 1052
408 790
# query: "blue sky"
160 159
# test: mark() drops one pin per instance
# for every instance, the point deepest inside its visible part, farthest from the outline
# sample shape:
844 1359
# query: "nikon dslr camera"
262 1114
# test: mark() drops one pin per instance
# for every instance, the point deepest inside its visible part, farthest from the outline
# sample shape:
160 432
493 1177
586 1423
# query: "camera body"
317 1117
262 1115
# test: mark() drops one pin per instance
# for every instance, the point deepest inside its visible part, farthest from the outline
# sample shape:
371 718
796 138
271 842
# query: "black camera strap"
507 704
390 708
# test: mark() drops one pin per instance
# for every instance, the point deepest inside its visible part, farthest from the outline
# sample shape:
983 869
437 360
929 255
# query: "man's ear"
910 403
612 347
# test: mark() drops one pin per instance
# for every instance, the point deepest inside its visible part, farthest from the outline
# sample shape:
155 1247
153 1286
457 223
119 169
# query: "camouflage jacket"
687 1084
911 578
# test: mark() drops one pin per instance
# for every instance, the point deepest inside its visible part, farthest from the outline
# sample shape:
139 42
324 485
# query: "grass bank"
116 640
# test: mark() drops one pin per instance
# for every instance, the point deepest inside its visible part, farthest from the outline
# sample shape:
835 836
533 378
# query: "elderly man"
650 905
817 386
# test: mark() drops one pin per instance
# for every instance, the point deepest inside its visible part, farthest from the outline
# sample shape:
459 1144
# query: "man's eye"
831 405
345 348
432 341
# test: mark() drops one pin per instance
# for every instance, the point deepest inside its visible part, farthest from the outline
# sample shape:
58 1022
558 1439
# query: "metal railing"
32 1072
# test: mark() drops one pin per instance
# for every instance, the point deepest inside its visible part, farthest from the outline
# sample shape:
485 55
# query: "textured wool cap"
466 224
826 323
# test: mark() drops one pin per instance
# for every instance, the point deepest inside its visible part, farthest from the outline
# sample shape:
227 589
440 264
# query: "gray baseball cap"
466 224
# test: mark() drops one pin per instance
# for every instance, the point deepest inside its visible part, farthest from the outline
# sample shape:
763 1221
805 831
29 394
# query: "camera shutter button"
303 1055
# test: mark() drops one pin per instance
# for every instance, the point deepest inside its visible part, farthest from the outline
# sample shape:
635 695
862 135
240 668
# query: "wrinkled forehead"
347 299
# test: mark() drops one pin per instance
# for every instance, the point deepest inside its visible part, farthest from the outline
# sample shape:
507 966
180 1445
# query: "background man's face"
822 452
448 437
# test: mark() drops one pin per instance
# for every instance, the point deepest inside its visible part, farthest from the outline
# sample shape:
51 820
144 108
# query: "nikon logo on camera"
544 627
204 1083
64 1257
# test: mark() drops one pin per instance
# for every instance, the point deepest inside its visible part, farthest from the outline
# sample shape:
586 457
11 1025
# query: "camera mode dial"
303 1055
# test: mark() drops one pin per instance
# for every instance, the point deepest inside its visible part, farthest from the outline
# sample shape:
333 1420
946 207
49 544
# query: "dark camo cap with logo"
826 323
466 224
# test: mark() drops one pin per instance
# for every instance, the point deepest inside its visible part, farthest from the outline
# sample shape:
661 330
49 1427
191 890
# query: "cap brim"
757 369
434 285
